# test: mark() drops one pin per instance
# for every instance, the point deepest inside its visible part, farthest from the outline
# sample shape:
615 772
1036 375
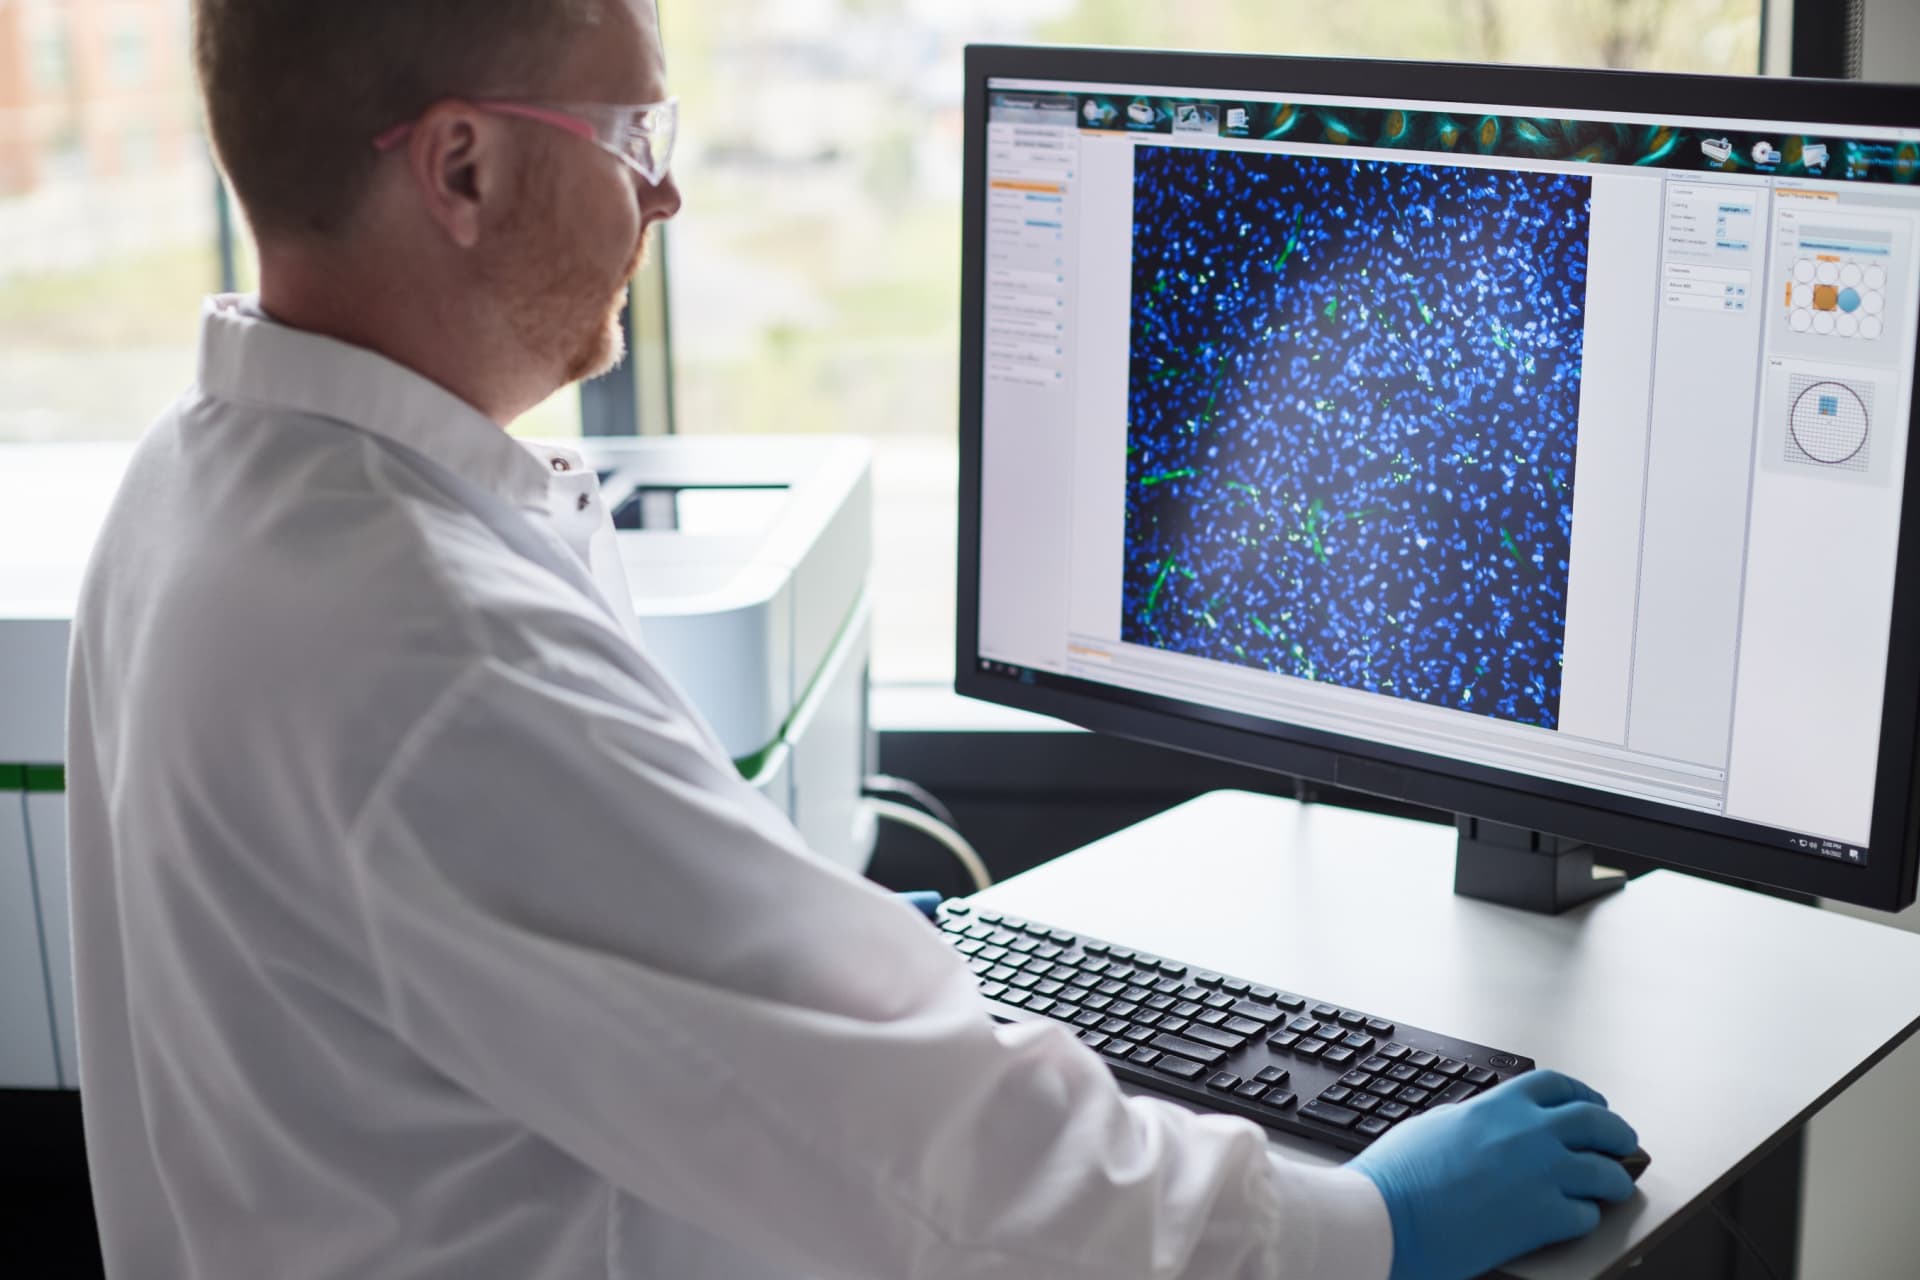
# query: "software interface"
1567 443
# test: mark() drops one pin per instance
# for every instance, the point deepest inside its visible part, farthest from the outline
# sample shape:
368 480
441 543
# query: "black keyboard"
1293 1063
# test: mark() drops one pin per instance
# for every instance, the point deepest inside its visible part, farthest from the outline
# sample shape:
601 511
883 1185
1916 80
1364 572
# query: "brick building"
93 89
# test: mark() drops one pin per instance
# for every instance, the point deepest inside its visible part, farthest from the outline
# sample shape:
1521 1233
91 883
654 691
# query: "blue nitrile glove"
925 901
1471 1186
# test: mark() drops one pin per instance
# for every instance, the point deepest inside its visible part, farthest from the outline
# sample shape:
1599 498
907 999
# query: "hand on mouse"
1471 1186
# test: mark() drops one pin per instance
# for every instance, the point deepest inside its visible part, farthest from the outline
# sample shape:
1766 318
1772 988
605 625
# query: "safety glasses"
640 137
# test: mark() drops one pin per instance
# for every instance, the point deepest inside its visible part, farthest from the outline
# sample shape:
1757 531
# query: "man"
422 929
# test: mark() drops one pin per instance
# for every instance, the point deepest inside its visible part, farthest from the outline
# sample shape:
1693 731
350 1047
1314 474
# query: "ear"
455 157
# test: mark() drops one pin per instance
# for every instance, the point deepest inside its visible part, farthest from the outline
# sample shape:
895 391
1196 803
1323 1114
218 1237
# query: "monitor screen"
1562 443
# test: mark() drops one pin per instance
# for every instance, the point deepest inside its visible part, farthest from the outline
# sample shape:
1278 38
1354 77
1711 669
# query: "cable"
1733 1228
887 784
926 825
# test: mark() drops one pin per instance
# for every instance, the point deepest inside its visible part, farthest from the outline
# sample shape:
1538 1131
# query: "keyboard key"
1123 1009
1122 954
1375 1063
1431 1080
1112 988
999 973
1175 1025
1136 993
1414 1096
1326 1011
1271 1075
995 954
1480 1076
1162 1003
1363 1102
1096 948
1224 1081
1235 987
1146 1018
1336 1093
1168 987
1458 1091
1208 979
1048 953
1261 1013
1372 1126
1451 1068
1285 1040
1384 1086
1356 1079
1306 1047
970 947
1014 998
1215 1036
1218 1002
1291 1003
1358 1041
1328 1113
957 908
1095 966
1202 1053
1278 1098
994 990
1338 1055
991 917
1050 988
1041 1005
1252 1090
1139 1035
1245 1026
1211 1017
1144 1056
1405 1073
1098 1002
1186 1009
1394 1051
1025 946
1062 937
1180 1068
1114 1026
1379 1026
1088 1018
1172 969
1304 1025
1085 981
1423 1059
1195 993
1393 1111
1329 1031
1265 995
1146 961
1118 1048
1348 1018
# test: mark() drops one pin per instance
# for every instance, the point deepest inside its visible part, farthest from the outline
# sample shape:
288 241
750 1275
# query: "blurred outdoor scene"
814 275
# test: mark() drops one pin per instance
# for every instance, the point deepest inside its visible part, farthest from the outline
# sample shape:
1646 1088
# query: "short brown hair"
297 90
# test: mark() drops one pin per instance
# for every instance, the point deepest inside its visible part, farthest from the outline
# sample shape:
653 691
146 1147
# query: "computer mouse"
1636 1164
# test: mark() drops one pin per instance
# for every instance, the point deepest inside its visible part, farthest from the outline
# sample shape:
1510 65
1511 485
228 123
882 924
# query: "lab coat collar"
249 358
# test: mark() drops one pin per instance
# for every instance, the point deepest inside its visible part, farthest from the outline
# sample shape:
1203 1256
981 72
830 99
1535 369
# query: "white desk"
1714 1019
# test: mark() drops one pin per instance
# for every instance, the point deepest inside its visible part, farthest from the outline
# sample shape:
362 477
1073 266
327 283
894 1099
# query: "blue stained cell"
1382 496
1849 299
1829 406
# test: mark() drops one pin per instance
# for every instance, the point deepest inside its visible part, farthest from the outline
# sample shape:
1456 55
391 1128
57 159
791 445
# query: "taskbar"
1816 846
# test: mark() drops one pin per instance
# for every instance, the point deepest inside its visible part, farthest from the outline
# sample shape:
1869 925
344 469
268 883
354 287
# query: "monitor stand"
1530 870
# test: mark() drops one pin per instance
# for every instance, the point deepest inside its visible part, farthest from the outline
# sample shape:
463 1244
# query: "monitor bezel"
1885 882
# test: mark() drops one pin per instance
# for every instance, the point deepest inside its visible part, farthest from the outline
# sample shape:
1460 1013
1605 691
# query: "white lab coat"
422 930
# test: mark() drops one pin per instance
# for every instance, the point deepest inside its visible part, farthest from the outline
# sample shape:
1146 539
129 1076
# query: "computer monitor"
1526 444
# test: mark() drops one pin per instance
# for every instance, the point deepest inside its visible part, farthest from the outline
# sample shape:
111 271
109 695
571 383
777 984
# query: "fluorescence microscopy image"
1352 410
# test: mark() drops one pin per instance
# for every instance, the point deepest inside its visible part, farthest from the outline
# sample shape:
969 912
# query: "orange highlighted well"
1007 184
